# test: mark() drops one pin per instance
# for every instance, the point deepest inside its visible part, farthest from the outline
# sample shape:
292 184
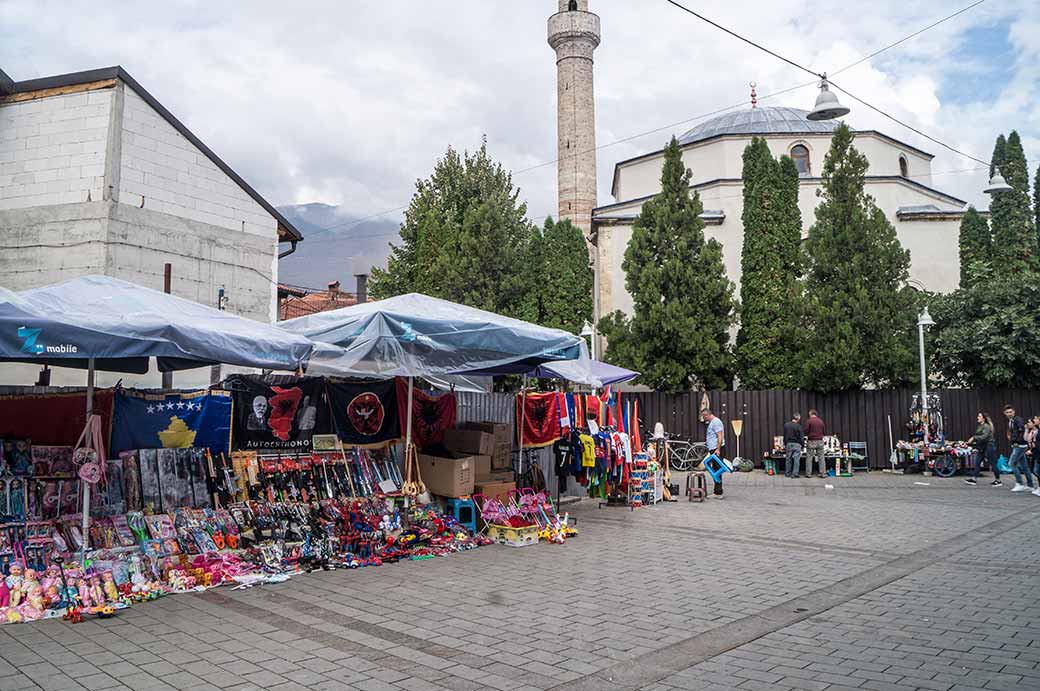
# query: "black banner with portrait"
365 413
277 412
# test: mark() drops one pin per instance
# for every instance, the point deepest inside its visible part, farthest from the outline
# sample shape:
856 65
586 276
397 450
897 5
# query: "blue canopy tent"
416 335
584 371
100 322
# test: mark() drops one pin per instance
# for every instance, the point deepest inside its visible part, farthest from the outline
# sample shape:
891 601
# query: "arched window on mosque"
904 168
800 155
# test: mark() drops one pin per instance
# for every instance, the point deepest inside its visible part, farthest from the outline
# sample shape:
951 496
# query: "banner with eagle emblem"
365 413
540 415
431 414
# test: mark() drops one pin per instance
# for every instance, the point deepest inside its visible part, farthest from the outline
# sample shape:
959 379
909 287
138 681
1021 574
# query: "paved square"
879 584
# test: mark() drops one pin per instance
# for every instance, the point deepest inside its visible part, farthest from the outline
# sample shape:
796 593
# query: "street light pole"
924 319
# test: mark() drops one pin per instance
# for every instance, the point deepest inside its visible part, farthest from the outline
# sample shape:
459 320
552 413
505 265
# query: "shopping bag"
1003 465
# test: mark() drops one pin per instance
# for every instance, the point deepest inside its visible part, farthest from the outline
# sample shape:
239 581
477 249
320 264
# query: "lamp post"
587 331
924 319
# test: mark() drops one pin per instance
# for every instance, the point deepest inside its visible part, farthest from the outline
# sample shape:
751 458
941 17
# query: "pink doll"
5 593
108 584
32 608
30 581
50 577
51 596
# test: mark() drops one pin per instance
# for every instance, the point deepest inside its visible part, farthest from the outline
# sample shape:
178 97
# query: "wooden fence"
856 416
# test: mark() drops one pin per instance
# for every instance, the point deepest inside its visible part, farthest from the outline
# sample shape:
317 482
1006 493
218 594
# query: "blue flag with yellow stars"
173 421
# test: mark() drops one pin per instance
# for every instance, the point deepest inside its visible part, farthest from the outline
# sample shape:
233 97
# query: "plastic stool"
464 511
716 467
696 487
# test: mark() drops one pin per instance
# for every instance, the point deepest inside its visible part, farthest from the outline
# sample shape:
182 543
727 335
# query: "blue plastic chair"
716 467
464 511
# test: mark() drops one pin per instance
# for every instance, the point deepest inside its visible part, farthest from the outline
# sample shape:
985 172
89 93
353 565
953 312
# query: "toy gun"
211 479
230 489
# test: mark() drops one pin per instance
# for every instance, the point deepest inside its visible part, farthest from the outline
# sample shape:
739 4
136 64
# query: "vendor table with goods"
940 457
836 455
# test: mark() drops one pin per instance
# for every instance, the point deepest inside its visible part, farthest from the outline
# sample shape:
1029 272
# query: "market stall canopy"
121 325
416 335
585 371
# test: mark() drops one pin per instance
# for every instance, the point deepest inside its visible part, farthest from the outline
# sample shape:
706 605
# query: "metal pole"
408 424
86 485
523 418
924 385
167 377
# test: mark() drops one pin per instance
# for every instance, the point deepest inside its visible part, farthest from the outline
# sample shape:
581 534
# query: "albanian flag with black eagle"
431 414
540 413
365 413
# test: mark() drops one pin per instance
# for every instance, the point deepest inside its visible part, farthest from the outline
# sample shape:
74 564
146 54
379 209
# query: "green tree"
859 325
1036 206
566 282
996 161
683 302
463 237
1011 214
771 264
976 247
985 334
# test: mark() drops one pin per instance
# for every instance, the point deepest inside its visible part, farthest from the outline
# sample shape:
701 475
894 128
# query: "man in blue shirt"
715 439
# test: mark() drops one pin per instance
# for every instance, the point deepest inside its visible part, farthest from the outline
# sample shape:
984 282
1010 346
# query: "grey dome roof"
774 120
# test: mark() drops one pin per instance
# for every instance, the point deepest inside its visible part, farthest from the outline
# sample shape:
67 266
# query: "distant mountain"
347 248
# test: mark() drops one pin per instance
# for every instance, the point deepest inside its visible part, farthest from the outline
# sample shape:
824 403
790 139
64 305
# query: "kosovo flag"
174 421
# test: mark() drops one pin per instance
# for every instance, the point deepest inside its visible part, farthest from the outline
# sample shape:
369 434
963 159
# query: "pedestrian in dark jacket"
985 444
793 438
1017 436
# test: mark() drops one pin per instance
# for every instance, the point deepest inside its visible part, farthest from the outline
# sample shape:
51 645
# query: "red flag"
637 442
541 418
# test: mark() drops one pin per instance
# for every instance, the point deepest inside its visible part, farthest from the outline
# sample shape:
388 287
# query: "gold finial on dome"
754 95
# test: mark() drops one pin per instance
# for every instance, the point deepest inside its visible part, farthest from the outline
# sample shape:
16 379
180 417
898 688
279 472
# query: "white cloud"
349 102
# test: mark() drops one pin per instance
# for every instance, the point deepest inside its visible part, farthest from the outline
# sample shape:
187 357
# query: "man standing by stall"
715 439
814 431
793 438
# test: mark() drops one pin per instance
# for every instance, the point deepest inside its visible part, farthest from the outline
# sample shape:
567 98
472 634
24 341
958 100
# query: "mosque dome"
770 120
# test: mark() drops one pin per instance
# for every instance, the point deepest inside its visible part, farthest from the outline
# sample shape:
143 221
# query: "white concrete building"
97 177
899 179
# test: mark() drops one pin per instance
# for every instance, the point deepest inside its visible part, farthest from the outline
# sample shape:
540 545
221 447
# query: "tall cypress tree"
996 161
771 262
976 247
1036 207
859 326
683 303
1011 214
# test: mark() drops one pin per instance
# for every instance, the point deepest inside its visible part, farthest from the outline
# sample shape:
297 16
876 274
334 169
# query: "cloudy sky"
348 102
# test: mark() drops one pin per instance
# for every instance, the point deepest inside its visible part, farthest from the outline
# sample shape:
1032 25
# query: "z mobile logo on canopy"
29 344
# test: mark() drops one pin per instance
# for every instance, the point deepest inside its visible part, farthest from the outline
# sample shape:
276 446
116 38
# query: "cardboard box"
502 433
494 489
469 441
448 477
502 457
481 467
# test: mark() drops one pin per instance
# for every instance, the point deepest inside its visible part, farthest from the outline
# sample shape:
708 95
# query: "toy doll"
108 584
97 592
5 594
53 597
83 589
32 608
14 585
51 576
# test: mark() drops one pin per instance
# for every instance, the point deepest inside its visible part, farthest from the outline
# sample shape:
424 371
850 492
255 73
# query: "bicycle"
683 455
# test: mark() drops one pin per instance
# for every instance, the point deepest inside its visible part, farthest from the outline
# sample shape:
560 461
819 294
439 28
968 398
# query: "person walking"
985 444
793 438
1033 452
1016 432
814 433
715 439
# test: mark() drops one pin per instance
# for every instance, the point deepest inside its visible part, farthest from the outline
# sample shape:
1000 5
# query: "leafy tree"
985 335
976 247
859 326
1036 205
463 237
996 161
566 283
683 302
1011 214
771 263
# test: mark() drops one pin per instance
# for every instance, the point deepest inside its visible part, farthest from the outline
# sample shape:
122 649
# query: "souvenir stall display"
938 455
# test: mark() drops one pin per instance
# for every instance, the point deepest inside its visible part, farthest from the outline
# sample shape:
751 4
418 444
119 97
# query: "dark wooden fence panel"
854 415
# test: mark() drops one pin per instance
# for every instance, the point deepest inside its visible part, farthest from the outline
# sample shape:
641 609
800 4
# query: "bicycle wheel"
679 457
945 467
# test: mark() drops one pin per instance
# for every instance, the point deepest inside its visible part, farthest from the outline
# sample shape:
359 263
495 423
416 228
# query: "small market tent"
584 371
121 325
415 335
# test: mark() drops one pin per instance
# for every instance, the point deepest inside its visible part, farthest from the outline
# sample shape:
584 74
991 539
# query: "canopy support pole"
86 485
408 424
523 419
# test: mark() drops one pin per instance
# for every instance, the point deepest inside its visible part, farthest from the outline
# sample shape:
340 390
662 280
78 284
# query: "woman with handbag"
985 444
